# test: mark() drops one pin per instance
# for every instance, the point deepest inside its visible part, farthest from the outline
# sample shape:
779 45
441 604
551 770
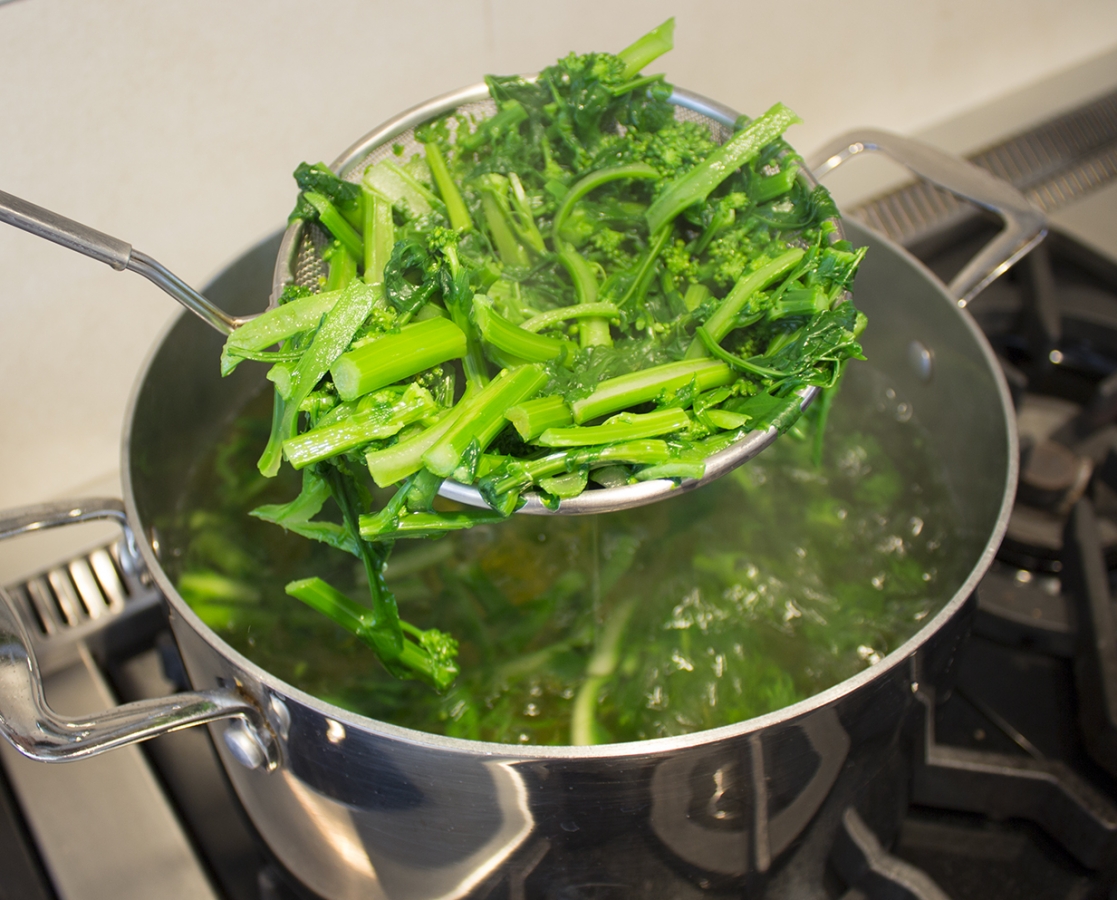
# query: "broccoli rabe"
578 289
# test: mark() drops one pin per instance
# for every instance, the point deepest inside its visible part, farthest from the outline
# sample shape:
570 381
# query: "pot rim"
654 746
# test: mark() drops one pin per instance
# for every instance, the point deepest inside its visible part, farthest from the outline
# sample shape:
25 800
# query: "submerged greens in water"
581 288
778 581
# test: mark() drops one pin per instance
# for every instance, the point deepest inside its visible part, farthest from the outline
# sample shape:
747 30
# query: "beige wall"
176 126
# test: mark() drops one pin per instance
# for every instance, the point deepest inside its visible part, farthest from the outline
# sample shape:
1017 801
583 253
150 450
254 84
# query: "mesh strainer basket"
300 262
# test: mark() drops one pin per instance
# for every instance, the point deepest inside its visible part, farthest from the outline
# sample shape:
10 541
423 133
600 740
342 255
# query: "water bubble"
868 654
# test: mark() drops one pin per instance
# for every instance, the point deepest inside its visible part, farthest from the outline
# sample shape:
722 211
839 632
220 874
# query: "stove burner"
1051 475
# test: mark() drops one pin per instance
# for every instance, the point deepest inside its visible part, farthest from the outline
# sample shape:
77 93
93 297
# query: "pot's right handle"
1025 225
40 733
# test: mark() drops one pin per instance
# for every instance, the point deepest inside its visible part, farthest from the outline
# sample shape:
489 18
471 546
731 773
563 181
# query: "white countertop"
176 127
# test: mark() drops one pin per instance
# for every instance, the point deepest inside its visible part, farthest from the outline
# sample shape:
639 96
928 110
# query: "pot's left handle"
40 733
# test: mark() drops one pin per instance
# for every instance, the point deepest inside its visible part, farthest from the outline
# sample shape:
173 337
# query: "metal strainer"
300 262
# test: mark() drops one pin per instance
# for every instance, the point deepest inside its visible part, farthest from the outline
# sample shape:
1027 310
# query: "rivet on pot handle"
1025 225
40 733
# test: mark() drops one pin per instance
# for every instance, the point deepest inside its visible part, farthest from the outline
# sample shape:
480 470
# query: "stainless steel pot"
360 808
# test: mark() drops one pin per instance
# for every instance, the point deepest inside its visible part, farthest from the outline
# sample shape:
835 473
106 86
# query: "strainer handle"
1024 224
113 252
38 732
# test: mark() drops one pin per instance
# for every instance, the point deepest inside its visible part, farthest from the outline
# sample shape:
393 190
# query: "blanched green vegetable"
578 290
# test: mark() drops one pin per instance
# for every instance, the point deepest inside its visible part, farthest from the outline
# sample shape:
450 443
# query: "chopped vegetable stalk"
498 220
370 422
388 180
275 325
451 196
518 342
482 416
425 524
648 48
697 184
602 664
625 391
336 223
334 334
553 317
342 267
722 321
593 332
379 236
622 427
534 417
402 460
394 357
524 475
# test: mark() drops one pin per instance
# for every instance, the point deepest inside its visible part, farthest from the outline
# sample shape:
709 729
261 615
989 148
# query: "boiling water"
759 590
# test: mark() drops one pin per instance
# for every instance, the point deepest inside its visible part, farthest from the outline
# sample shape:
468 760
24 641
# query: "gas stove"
1007 781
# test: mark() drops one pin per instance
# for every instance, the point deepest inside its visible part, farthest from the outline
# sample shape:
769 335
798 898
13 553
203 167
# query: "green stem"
393 357
594 332
626 391
638 289
725 316
414 659
341 267
534 417
601 666
451 196
736 362
510 250
426 524
773 186
482 416
334 222
384 626
402 460
553 317
645 452
523 219
511 114
825 403
513 340
412 183
333 336
648 48
380 234
623 427
459 302
380 421
275 325
697 184
595 179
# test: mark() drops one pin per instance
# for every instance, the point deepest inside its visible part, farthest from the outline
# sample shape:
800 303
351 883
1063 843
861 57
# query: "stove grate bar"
77 600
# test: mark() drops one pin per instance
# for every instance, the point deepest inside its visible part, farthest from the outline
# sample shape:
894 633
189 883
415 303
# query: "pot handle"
1024 224
40 733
